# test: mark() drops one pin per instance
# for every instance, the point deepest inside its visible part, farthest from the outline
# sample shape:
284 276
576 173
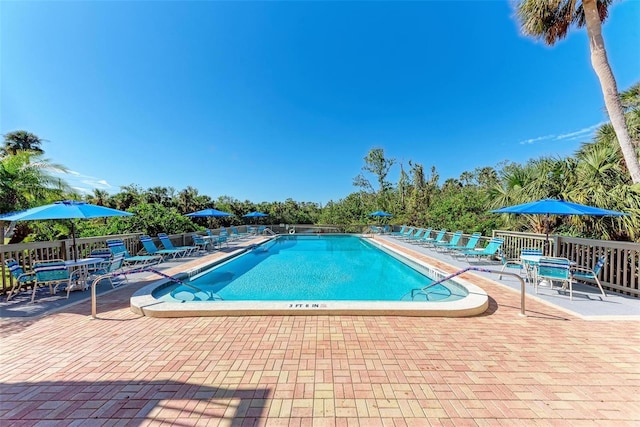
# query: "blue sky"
265 101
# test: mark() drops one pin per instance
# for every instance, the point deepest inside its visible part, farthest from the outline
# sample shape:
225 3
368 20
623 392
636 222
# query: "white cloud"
585 133
96 183
534 140
84 183
82 190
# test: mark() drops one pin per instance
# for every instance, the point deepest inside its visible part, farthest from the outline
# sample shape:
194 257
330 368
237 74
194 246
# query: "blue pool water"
298 267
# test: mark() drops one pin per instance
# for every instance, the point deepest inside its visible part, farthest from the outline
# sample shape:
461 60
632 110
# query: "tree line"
595 175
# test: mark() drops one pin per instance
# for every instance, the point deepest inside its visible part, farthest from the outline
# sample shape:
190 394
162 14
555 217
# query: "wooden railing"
621 271
28 253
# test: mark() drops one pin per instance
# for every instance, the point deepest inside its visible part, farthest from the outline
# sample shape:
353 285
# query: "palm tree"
129 196
550 20
602 180
99 197
21 140
25 181
187 200
515 187
161 195
630 98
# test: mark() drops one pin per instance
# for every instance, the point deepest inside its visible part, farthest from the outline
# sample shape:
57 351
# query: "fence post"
63 248
556 246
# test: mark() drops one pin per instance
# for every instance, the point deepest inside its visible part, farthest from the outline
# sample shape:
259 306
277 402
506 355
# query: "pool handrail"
483 270
133 270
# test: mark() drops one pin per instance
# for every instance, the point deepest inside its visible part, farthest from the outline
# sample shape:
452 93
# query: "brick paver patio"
548 368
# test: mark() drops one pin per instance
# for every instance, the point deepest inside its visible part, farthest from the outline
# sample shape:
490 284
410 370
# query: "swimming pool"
312 267
304 274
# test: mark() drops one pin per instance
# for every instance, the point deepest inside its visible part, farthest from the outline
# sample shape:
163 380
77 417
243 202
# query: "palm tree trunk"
602 68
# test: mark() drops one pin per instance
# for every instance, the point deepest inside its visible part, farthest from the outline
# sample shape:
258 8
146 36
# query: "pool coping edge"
477 302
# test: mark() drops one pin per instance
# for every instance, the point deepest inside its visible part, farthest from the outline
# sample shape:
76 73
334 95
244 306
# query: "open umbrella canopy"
65 209
255 214
380 214
557 207
208 212
549 207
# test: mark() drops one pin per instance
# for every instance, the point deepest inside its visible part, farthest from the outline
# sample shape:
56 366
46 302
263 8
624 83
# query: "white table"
531 259
530 264
82 265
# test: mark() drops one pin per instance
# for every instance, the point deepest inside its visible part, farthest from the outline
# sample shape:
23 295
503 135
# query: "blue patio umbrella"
256 215
65 209
549 207
380 214
209 212
557 207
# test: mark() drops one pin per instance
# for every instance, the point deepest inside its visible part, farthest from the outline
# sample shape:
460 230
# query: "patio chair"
117 246
168 244
54 273
513 263
408 231
471 244
21 278
585 274
488 252
218 239
101 253
520 264
419 234
151 248
104 253
113 265
225 234
455 238
238 234
399 232
429 241
374 229
552 269
201 243
411 232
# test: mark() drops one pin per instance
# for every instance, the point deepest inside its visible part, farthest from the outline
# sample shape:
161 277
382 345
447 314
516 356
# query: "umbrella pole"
74 250
546 240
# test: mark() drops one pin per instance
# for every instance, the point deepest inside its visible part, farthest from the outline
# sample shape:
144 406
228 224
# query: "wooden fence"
621 272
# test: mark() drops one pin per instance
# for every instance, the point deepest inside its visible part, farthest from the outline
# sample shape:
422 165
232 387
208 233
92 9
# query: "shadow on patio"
173 402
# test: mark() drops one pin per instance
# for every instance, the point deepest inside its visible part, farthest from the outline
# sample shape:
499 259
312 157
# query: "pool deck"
564 363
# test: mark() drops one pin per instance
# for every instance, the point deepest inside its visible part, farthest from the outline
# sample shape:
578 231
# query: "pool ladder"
212 295
423 290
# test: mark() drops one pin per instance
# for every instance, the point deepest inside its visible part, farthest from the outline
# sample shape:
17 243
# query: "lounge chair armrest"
581 270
